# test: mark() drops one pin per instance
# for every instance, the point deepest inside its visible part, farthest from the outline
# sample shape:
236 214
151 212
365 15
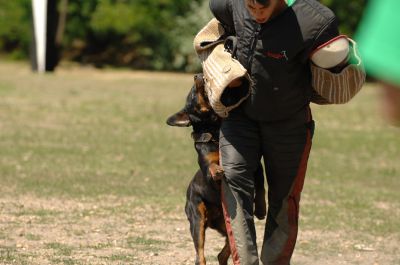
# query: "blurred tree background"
140 34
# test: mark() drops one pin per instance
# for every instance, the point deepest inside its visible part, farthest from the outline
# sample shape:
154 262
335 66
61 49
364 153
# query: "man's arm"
222 11
391 102
379 37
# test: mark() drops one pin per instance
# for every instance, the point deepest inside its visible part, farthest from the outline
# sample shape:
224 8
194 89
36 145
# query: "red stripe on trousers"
293 203
229 231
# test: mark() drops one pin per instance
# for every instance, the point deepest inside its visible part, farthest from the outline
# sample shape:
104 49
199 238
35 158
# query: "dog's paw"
216 172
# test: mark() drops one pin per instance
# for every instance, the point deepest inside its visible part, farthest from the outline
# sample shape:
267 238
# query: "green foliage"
145 34
130 33
348 13
182 36
78 18
115 18
15 36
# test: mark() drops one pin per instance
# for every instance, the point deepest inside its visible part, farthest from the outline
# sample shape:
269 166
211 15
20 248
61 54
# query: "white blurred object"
40 20
332 53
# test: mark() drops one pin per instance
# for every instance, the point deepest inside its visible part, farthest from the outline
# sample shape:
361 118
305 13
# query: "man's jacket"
276 53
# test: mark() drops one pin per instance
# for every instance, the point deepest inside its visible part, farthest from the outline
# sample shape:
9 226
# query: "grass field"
91 174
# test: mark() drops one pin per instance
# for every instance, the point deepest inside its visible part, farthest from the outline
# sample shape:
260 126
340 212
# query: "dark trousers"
284 147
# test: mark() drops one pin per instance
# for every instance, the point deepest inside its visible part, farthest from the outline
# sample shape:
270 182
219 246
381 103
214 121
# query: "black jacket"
276 53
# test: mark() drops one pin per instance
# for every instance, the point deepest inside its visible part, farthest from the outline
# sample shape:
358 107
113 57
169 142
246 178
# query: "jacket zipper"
252 48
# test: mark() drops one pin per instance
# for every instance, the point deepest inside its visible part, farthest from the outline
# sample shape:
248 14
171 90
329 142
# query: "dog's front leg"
214 169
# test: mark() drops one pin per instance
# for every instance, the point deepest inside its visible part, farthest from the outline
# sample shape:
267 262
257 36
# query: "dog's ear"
180 119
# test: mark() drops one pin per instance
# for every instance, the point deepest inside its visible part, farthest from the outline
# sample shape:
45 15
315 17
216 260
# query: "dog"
203 198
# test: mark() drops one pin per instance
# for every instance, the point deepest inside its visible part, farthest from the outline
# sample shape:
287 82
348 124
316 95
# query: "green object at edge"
290 2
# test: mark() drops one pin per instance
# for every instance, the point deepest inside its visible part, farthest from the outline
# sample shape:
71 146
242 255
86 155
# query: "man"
275 41
379 36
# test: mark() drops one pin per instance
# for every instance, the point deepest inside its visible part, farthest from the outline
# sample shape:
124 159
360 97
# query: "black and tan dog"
203 205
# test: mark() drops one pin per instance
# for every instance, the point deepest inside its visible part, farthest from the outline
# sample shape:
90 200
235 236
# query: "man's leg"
240 156
286 147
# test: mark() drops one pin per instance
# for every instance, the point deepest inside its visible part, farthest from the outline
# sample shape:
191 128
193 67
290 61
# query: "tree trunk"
63 11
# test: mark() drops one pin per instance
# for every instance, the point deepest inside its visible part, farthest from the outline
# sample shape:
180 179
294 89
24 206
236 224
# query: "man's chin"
261 21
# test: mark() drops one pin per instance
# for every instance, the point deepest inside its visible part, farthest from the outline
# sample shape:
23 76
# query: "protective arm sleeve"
219 68
336 85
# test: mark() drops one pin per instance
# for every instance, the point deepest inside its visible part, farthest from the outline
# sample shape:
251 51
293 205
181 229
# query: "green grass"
66 261
145 243
9 255
33 237
81 133
353 176
120 257
60 249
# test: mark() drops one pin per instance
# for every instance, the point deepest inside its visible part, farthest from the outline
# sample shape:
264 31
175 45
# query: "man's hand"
391 103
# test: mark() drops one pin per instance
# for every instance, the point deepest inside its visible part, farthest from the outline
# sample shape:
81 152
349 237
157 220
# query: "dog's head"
197 110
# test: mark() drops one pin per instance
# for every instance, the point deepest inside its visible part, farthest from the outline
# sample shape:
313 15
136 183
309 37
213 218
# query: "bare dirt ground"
116 230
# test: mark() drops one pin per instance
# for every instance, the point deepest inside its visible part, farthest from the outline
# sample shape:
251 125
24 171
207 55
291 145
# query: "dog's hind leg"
223 256
198 227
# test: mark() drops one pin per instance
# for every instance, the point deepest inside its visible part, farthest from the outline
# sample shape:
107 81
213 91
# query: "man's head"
263 10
